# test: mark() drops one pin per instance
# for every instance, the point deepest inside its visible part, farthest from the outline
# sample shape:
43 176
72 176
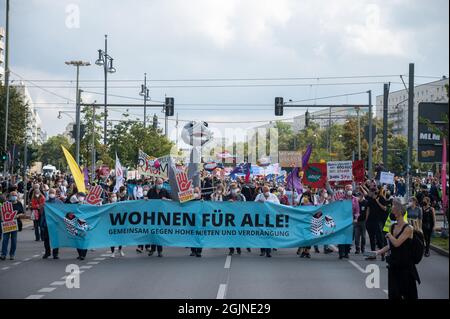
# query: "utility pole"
78 101
385 122
410 127
359 134
25 158
103 60
370 168
6 88
145 93
77 120
93 144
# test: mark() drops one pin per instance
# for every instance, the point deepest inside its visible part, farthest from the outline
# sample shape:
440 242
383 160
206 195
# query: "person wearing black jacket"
44 227
157 192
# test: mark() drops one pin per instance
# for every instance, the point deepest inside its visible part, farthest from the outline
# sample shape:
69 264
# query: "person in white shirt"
266 196
138 191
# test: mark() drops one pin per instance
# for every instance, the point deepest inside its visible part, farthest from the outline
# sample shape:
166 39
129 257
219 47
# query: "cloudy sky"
289 46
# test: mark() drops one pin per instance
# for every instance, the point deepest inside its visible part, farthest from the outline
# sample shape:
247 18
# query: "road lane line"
93 263
105 255
34 256
5 268
99 259
17 263
227 262
34 297
64 277
57 283
85 267
221 292
47 289
357 266
27 259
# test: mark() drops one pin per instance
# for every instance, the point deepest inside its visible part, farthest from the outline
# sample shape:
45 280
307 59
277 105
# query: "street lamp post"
106 61
145 93
77 138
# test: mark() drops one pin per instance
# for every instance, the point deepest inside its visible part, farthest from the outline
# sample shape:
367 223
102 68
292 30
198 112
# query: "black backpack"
417 246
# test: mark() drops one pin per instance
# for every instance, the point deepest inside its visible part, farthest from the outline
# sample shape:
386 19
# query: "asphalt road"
179 276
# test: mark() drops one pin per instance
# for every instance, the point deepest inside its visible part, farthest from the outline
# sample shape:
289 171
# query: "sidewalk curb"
439 250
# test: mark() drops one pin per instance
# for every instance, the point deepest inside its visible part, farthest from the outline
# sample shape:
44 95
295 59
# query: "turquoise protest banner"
198 224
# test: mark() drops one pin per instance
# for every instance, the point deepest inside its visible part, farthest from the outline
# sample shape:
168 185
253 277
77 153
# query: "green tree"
51 153
128 137
16 118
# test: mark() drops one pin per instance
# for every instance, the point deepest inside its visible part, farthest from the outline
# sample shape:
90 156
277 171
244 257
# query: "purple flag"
86 176
306 156
293 181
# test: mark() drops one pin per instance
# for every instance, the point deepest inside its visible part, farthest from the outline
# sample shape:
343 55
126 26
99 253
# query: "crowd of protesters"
371 206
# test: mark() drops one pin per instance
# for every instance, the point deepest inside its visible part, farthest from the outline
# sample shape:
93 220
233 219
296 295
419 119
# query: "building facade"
35 133
398 105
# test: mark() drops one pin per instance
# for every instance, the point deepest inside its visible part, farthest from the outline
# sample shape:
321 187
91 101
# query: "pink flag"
444 173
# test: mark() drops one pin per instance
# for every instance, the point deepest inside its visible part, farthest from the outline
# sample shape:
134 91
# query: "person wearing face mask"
138 191
235 196
359 229
78 198
266 196
414 213
402 271
44 227
218 195
158 192
282 197
197 251
428 223
344 249
112 200
12 236
37 205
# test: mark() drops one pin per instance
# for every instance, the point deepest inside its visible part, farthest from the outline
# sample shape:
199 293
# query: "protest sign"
290 158
315 175
387 178
9 223
340 171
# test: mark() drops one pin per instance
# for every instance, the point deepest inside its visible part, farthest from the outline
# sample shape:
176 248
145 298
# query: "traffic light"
169 106
278 106
307 118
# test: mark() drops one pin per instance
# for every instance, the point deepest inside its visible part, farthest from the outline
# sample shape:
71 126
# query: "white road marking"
221 292
17 263
57 283
27 259
227 262
34 297
5 268
48 289
64 277
106 255
357 266
85 267
334 248
93 263
34 256
100 259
